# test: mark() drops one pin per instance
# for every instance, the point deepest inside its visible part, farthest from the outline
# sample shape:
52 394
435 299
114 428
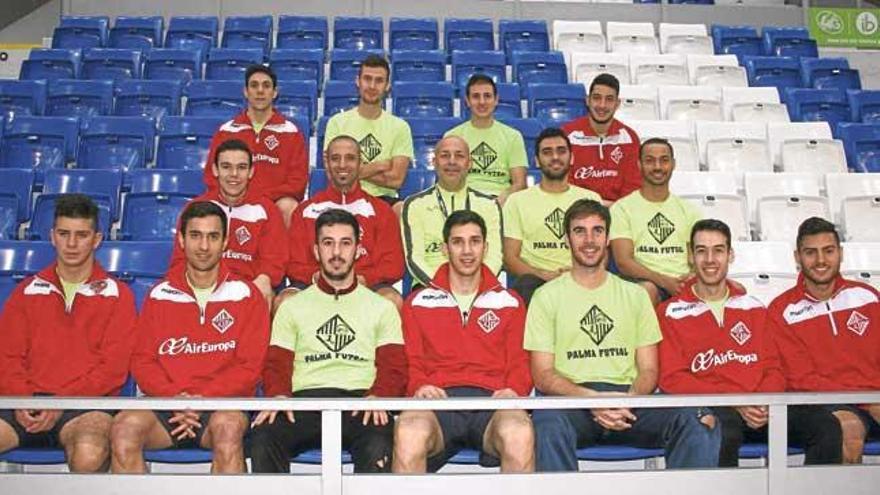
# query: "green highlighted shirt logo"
596 324
553 221
830 22
660 228
335 334
370 148
484 156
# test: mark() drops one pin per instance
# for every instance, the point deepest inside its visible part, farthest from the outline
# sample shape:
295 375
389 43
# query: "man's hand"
430 392
874 411
380 418
618 419
754 416
549 275
269 416
505 393
672 285
43 420
26 417
187 423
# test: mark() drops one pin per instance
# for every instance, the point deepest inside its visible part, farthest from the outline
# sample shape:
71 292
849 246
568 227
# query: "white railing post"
777 446
331 452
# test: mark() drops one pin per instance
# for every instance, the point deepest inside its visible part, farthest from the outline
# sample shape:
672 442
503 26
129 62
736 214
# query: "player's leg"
224 435
509 436
273 444
687 438
417 436
732 427
819 431
558 434
131 433
371 445
86 441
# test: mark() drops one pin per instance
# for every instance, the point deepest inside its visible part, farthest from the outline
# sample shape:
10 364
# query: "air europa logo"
173 346
704 361
593 173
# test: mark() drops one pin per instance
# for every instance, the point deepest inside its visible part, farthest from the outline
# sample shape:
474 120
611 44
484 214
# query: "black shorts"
463 430
47 439
872 428
186 443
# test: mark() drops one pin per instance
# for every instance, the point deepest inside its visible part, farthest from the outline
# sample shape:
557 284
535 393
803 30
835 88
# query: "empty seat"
345 64
734 146
761 185
685 182
136 32
578 36
139 264
358 33
680 135
187 182
555 104
828 73
153 206
214 98
468 35
780 72
765 286
586 66
111 63
530 129
16 188
862 146
423 99
716 70
864 105
538 67
339 96
467 63
687 39
737 40
298 64
172 64
779 216
51 63
192 33
18 260
522 35
230 64
859 218
690 103
788 42
763 257
302 32
154 99
841 185
103 186
729 208
413 33
248 32
418 65
21 98
509 105
638 103
631 37
806 147
184 141
79 98
117 143
81 32
40 143
861 257
656 70
298 99
425 134
754 105
817 105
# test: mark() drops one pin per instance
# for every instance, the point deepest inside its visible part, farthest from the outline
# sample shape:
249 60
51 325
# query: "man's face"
554 158
465 249
335 250
204 243
75 241
711 257
372 83
260 92
819 257
451 162
342 160
233 172
588 239
482 100
602 103
657 164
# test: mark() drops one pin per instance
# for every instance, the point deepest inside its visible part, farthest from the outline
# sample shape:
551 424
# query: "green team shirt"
592 333
534 217
380 139
717 306
660 231
494 151
334 339
70 289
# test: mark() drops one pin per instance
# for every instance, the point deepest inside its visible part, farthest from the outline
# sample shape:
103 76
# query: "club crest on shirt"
596 324
554 222
271 142
484 156
370 148
660 228
98 286
489 321
616 155
335 334
740 333
242 235
222 321
857 323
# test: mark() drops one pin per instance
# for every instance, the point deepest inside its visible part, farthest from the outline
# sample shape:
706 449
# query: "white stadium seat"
759 185
668 69
839 186
679 133
716 70
779 216
685 39
690 103
760 104
734 146
586 66
684 182
638 103
861 218
806 147
578 36
729 208
763 257
861 261
631 37
765 286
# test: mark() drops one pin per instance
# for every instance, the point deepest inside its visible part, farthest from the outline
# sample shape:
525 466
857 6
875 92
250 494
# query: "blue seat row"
791 72
773 41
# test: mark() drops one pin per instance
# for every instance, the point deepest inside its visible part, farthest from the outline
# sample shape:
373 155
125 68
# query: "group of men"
215 326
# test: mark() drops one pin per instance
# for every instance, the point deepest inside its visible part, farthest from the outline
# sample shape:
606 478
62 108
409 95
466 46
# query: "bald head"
452 161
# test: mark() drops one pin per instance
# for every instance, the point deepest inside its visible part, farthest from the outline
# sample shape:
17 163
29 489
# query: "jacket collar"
588 130
338 196
800 287
687 291
326 288
250 197
243 119
488 281
177 277
50 274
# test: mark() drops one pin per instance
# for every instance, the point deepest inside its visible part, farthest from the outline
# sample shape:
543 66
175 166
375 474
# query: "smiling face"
452 162
203 243
588 238
711 257
602 102
482 100
260 92
465 249
819 257
342 159
554 158
656 163
233 171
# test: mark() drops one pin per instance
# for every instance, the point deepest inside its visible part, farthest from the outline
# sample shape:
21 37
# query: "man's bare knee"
414 436
853 436
86 441
514 441
226 430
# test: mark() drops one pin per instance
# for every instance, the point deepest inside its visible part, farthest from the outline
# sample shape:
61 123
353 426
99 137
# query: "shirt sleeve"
387 261
296 171
390 327
797 364
414 348
513 221
646 319
495 225
301 263
403 143
15 379
414 242
273 251
620 223
632 176
284 330
331 131
540 323
516 151
519 375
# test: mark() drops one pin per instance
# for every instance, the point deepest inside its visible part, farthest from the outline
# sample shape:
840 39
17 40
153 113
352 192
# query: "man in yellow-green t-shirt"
652 226
535 247
385 140
498 153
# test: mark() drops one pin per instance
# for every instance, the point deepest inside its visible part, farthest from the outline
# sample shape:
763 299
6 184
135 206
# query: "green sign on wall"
845 27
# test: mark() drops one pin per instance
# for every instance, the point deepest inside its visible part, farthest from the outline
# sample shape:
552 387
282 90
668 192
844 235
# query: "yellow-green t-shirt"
465 301
592 333
534 217
717 306
69 289
380 139
334 338
660 231
202 295
494 151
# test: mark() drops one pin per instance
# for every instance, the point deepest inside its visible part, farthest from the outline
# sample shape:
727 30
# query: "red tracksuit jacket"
257 240
609 165
83 350
828 345
485 351
218 353
279 153
697 356
380 255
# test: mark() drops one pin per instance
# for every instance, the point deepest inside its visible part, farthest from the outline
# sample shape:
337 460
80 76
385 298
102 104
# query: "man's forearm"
552 383
372 169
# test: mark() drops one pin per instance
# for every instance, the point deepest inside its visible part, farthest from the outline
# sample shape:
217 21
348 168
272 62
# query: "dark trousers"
526 285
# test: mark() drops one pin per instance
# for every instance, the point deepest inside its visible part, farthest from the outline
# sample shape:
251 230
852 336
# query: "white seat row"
658 69
645 102
631 37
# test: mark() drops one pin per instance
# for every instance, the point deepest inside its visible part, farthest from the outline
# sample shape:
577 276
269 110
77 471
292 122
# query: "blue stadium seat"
298 99
192 33
467 63
172 64
617 453
345 64
418 65
79 98
139 264
43 217
116 143
816 105
139 33
81 32
302 32
188 182
861 142
538 67
21 98
692 2
230 64
317 181
16 188
320 132
529 128
51 63
111 63
154 203
358 33
789 42
828 73
184 141
425 134
339 96
760 451
509 105
865 106
248 32
414 182
872 447
214 98
423 99
737 40
40 143
413 33
154 99
523 35
781 72
298 64
18 260
104 187
555 104
468 35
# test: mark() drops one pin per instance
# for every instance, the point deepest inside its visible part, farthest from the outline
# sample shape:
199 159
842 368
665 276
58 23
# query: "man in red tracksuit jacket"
826 328
256 248
66 331
605 152
463 337
279 148
203 332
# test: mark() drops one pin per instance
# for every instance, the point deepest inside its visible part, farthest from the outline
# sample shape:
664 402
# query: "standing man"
497 150
385 140
463 338
535 245
66 331
592 334
203 332
827 331
652 227
280 156
336 338
605 150
425 213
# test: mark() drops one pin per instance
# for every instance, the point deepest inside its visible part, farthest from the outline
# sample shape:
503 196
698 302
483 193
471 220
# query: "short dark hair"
710 225
463 217
605 79
480 79
260 69
76 206
233 145
585 208
344 137
374 60
816 225
550 132
657 140
336 216
202 209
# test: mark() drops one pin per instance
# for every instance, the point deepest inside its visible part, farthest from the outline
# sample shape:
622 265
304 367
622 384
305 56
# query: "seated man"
652 226
463 338
66 331
827 331
203 332
716 340
336 338
591 335
424 213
